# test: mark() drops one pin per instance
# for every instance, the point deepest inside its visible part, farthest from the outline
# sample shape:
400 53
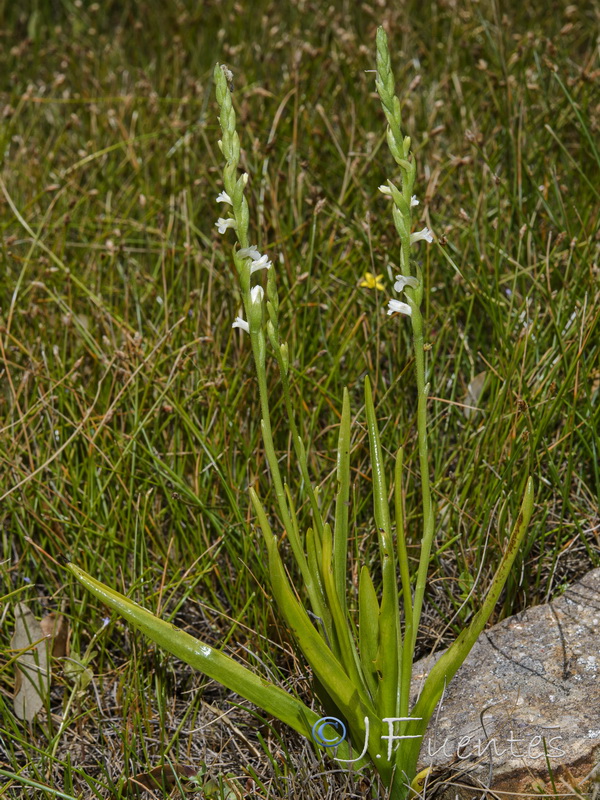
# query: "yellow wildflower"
372 281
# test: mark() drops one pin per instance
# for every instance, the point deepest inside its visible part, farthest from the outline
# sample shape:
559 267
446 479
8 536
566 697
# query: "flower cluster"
402 219
406 281
257 261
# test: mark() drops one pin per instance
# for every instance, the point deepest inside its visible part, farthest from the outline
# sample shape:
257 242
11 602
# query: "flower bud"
285 356
272 335
255 312
256 295
262 350
400 223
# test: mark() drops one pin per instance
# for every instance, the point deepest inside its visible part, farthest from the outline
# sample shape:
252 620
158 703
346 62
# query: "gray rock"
527 696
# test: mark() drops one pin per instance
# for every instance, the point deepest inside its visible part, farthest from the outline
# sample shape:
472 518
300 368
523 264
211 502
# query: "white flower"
224 198
402 308
260 263
241 323
402 283
424 234
385 189
256 294
223 224
249 252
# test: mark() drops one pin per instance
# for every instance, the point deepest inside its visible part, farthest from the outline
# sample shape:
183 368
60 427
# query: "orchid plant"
363 666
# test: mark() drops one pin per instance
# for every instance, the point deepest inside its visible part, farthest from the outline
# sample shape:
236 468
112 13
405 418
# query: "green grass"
129 429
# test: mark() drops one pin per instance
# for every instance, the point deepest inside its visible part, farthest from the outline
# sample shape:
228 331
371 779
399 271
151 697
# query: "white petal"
424 234
249 252
256 294
223 224
402 308
241 323
413 201
384 189
261 263
223 197
402 283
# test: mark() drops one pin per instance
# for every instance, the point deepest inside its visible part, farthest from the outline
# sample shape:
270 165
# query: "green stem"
422 392
298 449
296 544
428 526
406 649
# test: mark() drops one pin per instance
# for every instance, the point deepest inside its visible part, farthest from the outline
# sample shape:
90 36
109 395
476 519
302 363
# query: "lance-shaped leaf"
390 647
368 628
351 699
340 531
316 649
213 663
380 502
321 610
313 553
341 624
407 651
315 558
